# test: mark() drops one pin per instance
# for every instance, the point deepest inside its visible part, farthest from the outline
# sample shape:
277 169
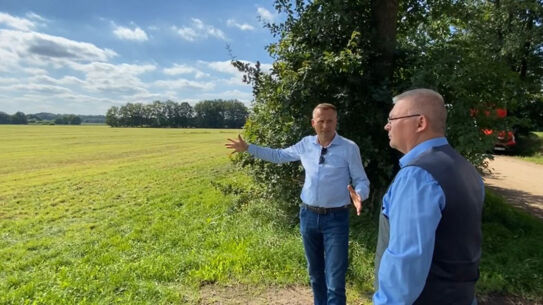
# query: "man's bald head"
428 103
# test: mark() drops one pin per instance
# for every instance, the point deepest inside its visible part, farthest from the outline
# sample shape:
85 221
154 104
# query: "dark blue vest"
457 250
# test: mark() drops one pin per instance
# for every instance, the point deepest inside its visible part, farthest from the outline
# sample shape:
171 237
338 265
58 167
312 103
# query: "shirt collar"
335 140
420 148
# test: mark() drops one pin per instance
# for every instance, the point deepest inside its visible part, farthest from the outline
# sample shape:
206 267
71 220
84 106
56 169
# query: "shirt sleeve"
359 178
415 202
275 155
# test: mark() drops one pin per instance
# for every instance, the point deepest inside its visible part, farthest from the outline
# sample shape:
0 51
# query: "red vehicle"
506 138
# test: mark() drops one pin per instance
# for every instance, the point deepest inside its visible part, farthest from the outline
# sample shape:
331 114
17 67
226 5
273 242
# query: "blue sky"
82 57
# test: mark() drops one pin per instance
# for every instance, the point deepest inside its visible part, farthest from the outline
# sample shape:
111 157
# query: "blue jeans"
326 245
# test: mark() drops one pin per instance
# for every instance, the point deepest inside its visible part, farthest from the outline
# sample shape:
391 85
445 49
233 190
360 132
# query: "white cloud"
40 88
71 103
199 30
113 79
136 34
183 69
8 81
35 16
43 72
179 84
103 69
34 71
16 22
9 58
187 34
145 97
226 67
243 27
42 49
221 66
65 81
235 76
266 15
178 69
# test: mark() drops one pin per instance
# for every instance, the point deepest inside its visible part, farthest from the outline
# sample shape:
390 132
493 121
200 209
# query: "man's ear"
422 123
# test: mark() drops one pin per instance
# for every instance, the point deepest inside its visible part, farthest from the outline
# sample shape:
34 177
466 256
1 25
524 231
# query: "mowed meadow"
99 215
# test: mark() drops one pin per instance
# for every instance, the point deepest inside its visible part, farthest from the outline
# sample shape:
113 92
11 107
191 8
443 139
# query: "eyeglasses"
324 150
389 119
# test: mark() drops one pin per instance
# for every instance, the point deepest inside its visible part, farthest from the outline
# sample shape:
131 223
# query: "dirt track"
521 182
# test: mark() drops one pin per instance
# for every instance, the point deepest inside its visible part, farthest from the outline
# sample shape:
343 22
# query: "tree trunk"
385 14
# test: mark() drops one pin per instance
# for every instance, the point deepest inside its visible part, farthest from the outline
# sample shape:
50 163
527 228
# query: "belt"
321 210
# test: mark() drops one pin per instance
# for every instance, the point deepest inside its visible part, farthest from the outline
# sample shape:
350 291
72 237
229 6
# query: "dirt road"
521 182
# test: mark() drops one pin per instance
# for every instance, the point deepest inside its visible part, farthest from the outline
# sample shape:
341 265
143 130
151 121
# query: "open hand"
238 146
357 200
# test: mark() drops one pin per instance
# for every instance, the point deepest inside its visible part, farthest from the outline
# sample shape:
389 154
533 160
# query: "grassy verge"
512 261
95 215
536 141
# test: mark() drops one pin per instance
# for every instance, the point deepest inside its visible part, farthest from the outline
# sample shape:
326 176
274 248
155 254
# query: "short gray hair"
427 102
324 106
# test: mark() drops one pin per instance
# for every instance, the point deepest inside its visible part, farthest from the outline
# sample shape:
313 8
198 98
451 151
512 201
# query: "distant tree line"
204 114
17 118
46 117
68 119
42 118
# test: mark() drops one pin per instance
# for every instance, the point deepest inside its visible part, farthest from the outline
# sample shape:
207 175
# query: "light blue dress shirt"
413 205
325 184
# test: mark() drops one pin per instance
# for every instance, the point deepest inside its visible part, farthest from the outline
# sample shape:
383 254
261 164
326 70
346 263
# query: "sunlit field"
98 215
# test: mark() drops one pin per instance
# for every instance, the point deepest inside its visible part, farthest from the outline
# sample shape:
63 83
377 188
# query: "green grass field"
99 215
95 215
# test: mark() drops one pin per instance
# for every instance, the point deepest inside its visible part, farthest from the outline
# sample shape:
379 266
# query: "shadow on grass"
528 145
521 199
505 300
512 259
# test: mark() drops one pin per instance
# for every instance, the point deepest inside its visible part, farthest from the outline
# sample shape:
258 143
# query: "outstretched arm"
238 146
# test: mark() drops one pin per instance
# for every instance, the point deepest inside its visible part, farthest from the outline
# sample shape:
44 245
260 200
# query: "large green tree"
357 54
328 51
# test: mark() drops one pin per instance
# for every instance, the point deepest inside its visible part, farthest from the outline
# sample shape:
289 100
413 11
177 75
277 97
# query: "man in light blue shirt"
332 164
429 243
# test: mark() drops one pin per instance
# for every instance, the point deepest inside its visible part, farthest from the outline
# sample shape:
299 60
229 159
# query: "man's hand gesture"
357 200
237 146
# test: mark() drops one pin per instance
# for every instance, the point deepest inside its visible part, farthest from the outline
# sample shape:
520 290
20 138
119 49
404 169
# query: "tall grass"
96 215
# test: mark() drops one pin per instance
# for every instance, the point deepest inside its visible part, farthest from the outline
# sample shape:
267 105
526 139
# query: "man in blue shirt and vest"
429 243
332 164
